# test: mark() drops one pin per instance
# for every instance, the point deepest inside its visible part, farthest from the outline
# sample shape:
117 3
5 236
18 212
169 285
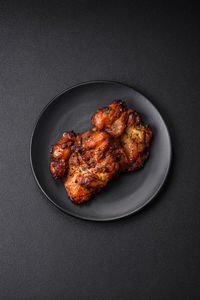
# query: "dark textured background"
46 47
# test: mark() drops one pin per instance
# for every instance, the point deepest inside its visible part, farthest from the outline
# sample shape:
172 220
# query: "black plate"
72 109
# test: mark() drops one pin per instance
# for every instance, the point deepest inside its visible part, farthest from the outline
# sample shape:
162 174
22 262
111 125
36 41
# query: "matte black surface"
46 46
72 110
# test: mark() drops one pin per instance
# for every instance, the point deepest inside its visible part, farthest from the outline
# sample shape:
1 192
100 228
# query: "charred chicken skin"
112 118
60 154
135 142
86 162
125 125
94 161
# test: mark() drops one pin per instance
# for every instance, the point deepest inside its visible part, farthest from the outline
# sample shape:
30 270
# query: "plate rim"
107 219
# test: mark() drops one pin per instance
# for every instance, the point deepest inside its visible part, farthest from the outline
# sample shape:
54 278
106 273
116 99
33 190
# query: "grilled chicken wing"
135 142
94 161
60 154
125 124
112 118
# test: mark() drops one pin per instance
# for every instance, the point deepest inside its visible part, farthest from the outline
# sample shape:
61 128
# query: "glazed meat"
60 154
125 124
135 142
94 161
86 162
112 118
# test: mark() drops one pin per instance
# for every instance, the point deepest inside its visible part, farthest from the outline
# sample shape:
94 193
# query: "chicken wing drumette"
60 154
94 161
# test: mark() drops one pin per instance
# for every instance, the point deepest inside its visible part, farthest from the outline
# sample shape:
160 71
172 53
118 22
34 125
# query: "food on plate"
60 154
87 161
94 161
112 118
126 125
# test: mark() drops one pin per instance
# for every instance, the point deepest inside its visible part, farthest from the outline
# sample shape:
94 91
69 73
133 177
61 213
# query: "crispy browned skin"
60 153
94 161
135 142
87 162
124 123
112 118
